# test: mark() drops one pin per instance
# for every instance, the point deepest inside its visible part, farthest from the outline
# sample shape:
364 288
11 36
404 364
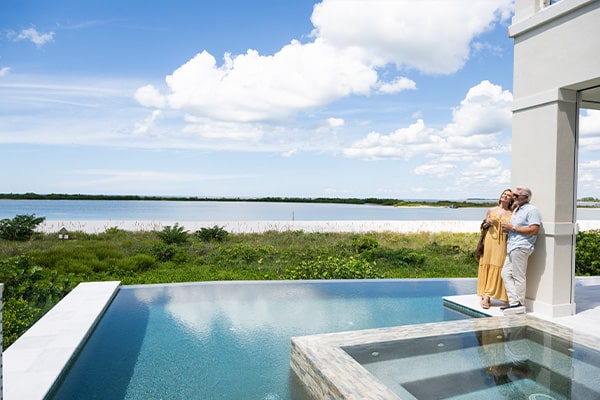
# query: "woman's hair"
512 199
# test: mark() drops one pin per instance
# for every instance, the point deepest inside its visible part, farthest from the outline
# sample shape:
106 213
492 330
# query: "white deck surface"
35 361
587 302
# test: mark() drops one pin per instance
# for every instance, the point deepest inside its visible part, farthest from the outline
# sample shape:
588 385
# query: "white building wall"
556 54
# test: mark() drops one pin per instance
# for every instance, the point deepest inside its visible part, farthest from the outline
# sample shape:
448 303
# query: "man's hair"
526 191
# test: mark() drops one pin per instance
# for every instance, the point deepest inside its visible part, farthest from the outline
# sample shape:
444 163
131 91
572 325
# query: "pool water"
231 340
519 362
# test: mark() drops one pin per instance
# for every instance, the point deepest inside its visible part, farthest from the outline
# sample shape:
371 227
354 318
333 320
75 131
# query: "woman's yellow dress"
489 281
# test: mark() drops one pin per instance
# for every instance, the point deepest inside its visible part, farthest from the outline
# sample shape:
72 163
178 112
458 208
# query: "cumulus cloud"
34 36
4 71
484 110
481 172
398 85
251 87
349 45
402 143
482 115
335 122
149 96
421 34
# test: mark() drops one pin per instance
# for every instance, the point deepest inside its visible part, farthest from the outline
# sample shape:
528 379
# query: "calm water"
123 210
232 340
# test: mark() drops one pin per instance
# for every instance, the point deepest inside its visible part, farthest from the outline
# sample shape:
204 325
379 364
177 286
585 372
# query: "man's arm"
531 230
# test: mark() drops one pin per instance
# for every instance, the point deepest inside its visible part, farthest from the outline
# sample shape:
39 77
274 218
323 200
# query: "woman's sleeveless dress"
489 281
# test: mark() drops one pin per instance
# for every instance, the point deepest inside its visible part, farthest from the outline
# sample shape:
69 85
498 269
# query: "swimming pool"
231 340
510 357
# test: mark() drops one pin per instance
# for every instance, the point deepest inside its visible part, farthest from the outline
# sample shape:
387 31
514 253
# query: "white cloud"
402 143
149 96
351 41
485 109
4 71
594 164
397 85
589 123
143 126
437 169
250 87
486 170
589 131
335 122
420 34
34 36
208 129
481 117
289 153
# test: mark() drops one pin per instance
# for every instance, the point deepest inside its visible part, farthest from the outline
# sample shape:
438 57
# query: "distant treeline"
332 200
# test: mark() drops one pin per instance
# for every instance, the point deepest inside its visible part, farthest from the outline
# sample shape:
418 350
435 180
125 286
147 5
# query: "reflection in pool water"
516 362
231 340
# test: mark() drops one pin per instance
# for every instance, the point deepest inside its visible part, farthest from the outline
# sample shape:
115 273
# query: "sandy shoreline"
99 226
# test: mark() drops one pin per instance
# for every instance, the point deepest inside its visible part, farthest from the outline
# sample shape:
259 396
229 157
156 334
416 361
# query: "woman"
489 281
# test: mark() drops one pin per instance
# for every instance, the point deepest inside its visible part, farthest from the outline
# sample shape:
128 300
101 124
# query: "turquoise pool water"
518 362
231 340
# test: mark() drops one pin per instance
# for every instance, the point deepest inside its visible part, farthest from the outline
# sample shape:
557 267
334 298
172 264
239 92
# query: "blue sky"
233 98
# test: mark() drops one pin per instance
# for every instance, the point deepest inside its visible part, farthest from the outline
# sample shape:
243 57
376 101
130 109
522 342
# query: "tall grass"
143 257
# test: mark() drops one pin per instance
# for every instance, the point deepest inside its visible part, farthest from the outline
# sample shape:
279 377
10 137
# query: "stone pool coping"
35 361
329 372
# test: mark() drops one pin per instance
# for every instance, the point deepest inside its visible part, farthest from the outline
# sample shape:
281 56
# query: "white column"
544 158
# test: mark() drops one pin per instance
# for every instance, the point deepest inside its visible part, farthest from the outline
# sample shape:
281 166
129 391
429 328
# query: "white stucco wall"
556 54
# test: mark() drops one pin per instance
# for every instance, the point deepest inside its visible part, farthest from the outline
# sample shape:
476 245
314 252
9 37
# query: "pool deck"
36 360
33 363
587 303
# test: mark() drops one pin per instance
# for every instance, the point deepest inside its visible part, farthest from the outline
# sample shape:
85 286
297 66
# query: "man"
522 232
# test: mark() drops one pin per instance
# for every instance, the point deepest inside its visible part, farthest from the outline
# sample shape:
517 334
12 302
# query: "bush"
333 268
29 291
396 257
216 233
587 253
364 243
163 252
20 228
18 315
174 235
139 262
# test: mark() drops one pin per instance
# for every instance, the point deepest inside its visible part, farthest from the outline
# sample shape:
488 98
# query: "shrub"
364 243
29 291
163 252
216 233
139 262
333 268
20 228
587 253
18 315
174 234
396 257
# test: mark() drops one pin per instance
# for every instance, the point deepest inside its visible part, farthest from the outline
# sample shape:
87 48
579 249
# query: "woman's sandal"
485 304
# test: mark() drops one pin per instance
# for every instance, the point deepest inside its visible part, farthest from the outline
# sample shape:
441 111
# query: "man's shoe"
512 310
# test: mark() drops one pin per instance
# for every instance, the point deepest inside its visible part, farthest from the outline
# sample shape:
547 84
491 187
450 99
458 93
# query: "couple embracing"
510 230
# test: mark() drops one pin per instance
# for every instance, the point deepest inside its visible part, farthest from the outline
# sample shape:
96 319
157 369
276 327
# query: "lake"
153 210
